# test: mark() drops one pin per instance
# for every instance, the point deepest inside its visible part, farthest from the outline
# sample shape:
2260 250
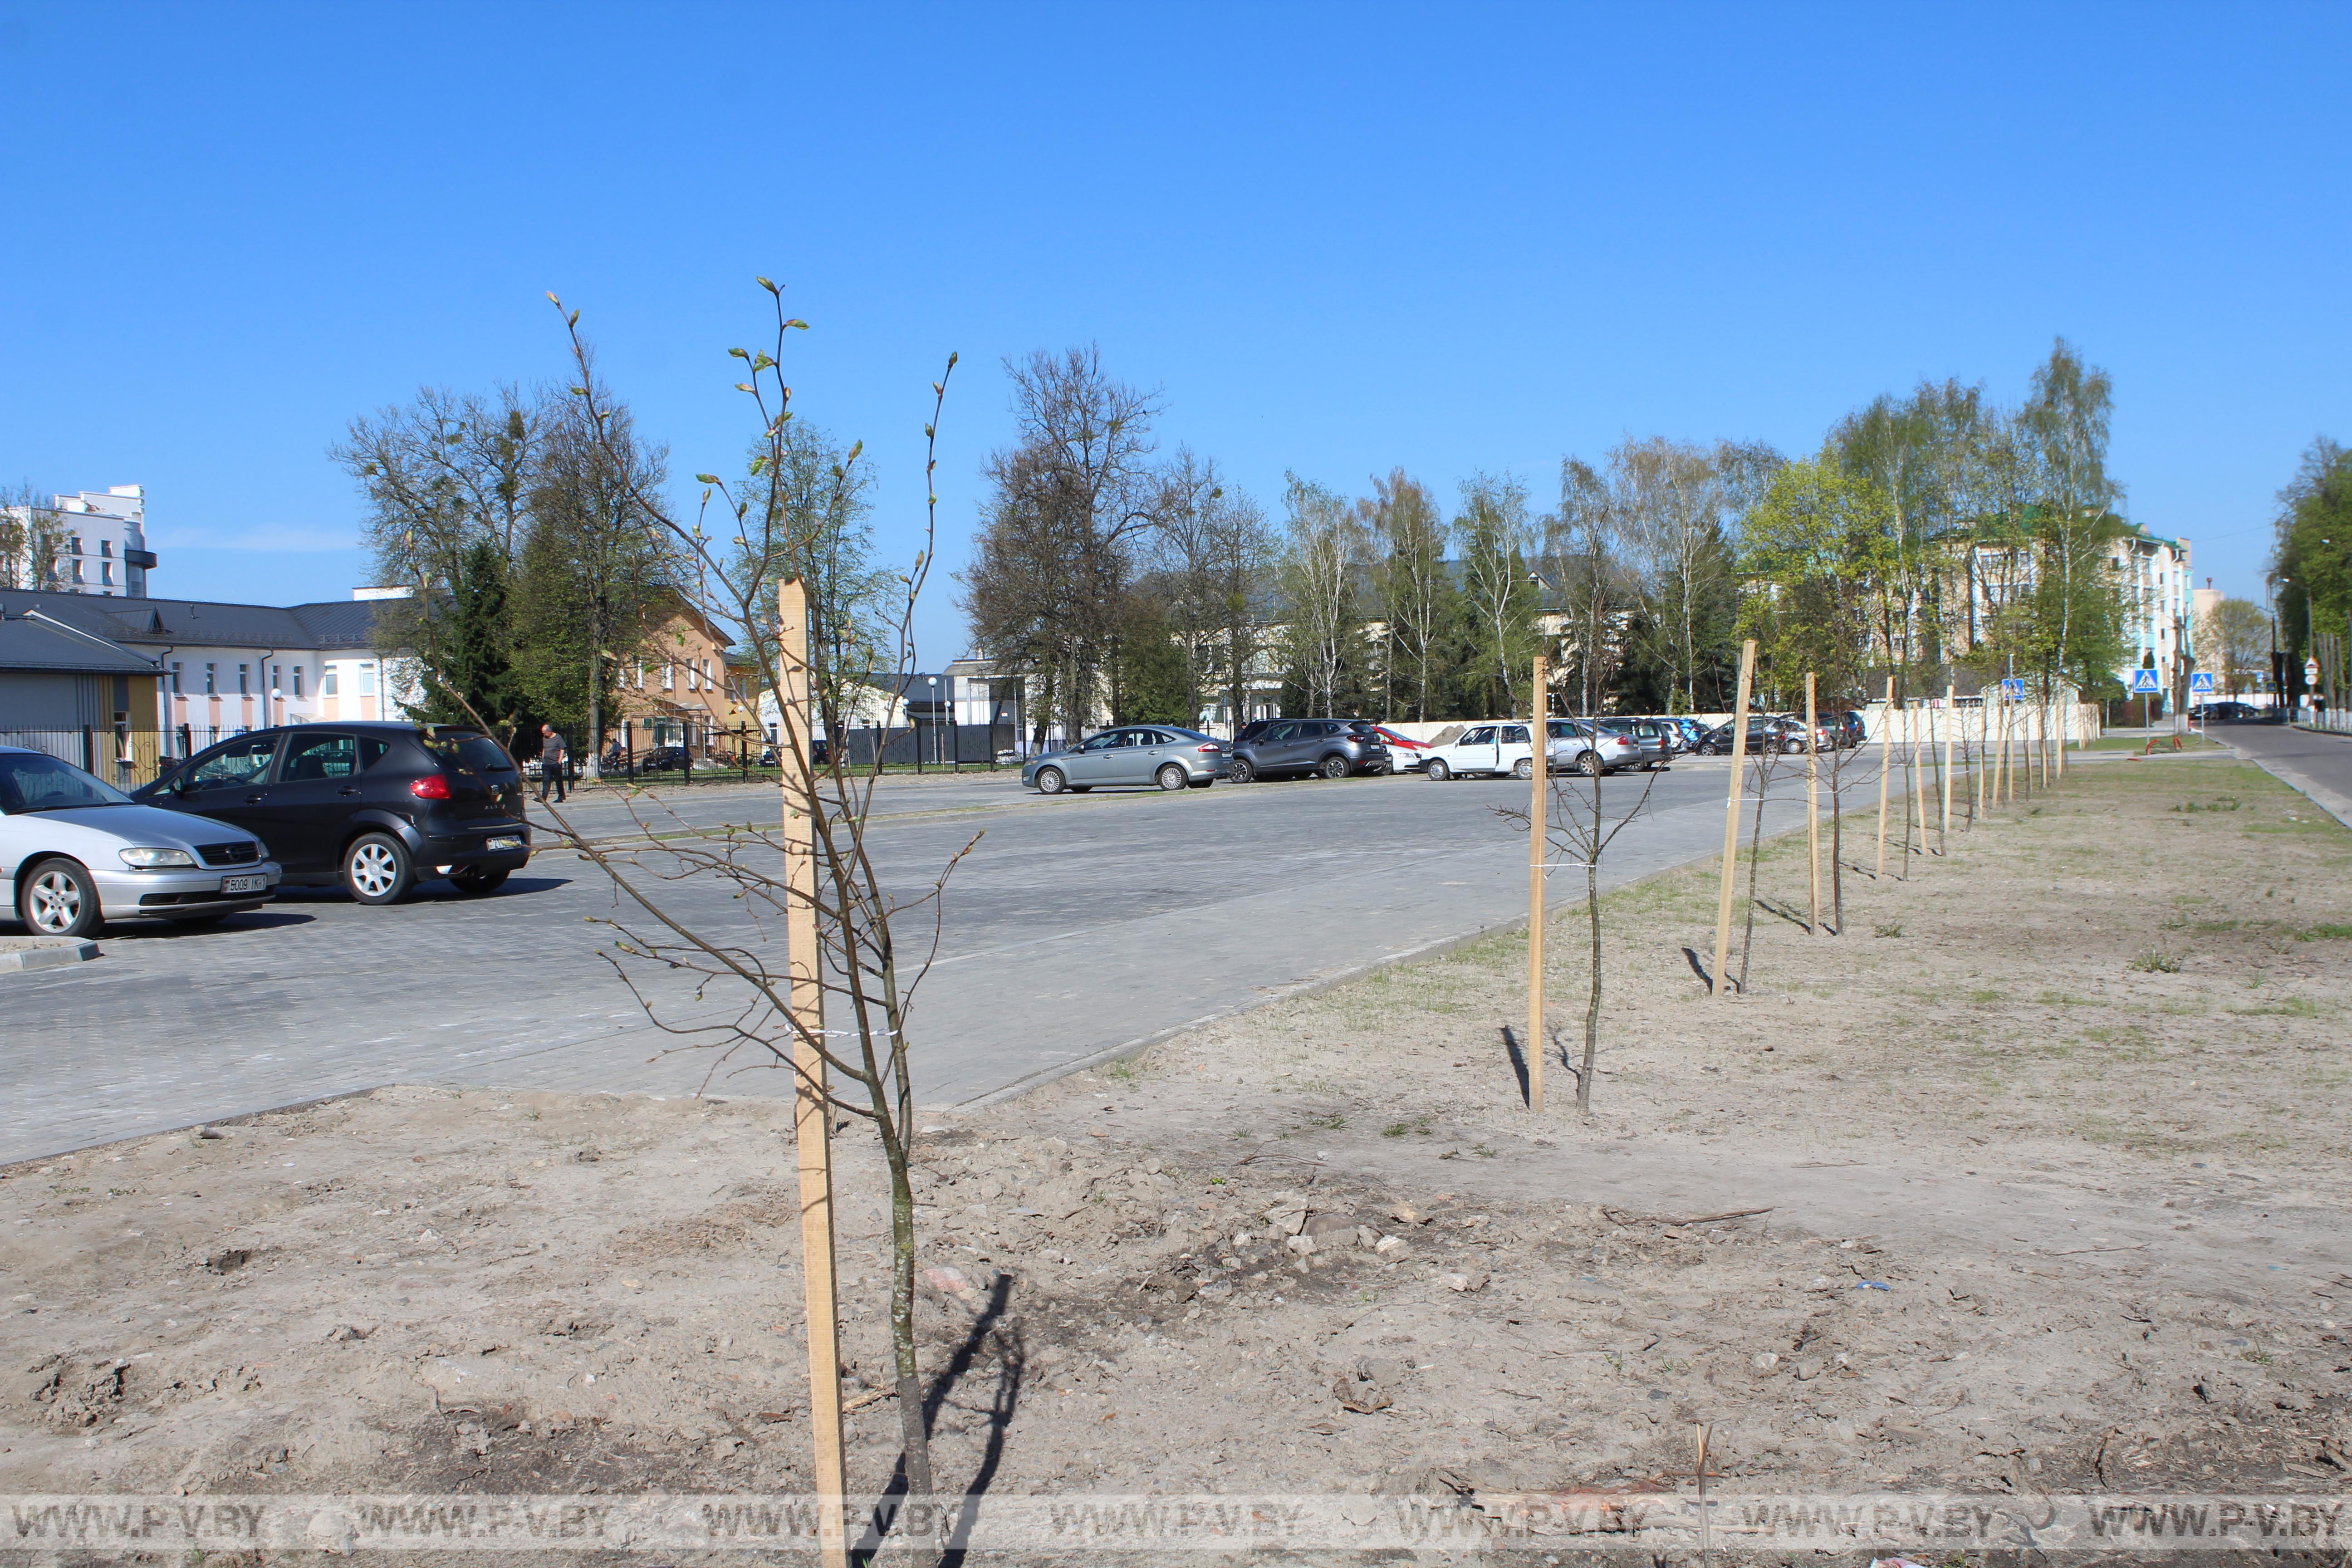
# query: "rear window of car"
469 753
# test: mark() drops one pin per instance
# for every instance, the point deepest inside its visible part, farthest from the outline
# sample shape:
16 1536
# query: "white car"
1485 751
1489 751
77 853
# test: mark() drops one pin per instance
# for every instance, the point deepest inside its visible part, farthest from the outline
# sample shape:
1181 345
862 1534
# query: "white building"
227 668
2159 607
92 542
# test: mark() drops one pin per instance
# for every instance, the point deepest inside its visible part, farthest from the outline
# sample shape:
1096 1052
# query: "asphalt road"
1078 924
2318 764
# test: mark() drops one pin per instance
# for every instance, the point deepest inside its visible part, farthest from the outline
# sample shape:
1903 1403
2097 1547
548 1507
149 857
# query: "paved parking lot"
1079 924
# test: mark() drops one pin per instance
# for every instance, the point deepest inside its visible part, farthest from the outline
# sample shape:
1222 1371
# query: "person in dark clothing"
551 760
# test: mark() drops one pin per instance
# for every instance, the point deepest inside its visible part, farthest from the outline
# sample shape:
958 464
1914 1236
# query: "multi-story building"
92 542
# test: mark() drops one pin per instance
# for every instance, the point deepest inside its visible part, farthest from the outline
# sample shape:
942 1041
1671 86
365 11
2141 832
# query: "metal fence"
123 756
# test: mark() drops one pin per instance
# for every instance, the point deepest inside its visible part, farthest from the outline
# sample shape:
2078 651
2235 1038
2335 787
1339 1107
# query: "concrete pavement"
1078 925
2318 764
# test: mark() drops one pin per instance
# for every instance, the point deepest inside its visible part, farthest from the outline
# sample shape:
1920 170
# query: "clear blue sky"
1340 238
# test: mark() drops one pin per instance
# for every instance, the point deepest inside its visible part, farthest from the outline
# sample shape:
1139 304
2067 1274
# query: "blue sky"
1337 238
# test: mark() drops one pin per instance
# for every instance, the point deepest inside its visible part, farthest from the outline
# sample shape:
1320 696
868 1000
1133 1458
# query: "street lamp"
935 717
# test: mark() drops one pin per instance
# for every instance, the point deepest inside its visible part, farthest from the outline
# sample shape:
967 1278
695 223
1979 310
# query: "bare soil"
2047 1150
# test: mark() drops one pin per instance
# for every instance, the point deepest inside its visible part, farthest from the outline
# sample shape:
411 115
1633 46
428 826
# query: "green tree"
2233 641
2312 563
1417 596
1496 538
1150 682
471 670
1323 554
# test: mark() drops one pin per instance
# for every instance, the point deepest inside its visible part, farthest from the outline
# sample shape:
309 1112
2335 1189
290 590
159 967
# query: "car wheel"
1239 771
1436 771
1334 768
1524 768
1050 781
1791 747
470 879
1172 777
59 900
1589 765
376 869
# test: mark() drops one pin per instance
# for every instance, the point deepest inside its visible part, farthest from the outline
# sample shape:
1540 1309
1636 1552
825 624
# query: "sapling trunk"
1755 837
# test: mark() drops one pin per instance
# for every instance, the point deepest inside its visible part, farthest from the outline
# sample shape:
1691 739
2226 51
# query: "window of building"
297 680
175 677
106 570
77 550
367 677
277 678
212 680
76 566
244 686
106 548
326 681
670 675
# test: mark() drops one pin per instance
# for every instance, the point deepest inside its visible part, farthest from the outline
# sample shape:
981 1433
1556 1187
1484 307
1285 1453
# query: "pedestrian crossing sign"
2147 682
2203 681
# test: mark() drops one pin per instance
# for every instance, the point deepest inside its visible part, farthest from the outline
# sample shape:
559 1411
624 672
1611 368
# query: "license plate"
504 843
245 884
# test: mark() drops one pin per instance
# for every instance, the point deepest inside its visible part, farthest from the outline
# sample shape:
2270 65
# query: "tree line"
1930 532
538 587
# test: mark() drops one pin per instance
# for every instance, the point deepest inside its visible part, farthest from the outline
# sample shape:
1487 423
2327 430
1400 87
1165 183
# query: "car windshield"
33 781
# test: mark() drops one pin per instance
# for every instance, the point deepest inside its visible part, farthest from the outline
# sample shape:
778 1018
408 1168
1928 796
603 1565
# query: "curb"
2336 805
47 955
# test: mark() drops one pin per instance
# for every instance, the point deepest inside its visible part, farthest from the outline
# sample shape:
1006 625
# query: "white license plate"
508 843
245 884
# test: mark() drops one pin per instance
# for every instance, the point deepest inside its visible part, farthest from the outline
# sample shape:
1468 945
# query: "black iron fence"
123 756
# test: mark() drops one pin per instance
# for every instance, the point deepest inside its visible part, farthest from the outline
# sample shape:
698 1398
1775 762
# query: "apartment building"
92 542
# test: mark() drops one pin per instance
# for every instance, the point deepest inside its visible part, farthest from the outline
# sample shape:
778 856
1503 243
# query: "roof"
336 623
34 642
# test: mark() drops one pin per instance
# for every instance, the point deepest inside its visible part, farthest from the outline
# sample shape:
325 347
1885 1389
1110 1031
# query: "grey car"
1298 748
77 853
1647 734
1135 754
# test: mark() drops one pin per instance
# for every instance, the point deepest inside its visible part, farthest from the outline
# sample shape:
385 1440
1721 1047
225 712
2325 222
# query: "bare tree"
729 554
1067 503
1411 535
1495 537
1322 553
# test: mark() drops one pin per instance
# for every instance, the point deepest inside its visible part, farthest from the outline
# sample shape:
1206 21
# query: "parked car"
372 807
1405 754
1159 754
1582 747
1488 750
76 852
668 760
1688 732
532 768
2208 712
1765 733
1333 748
1648 736
1852 729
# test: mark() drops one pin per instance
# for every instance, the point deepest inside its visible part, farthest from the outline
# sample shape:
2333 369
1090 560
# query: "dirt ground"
2049 1152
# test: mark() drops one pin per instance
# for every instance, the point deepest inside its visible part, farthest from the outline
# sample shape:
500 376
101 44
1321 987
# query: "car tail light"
432 786
1212 746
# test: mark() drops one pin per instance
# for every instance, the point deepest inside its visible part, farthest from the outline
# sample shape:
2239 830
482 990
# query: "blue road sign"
2013 688
2146 682
2203 681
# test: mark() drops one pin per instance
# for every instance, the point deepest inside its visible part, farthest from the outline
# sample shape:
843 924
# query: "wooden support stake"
1537 818
1919 774
1813 805
1885 766
1731 814
1951 721
812 1114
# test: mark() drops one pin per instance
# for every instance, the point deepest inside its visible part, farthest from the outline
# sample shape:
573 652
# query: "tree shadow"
1700 968
1791 915
953 1521
1515 1050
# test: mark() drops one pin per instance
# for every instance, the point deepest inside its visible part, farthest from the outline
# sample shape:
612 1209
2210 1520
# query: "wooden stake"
1731 813
1885 766
1919 775
1951 721
1813 804
812 1115
1540 751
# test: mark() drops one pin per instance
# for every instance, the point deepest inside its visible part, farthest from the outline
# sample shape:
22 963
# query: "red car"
1406 754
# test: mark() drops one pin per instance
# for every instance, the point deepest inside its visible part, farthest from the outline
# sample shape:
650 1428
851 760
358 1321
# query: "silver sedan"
77 853
1140 754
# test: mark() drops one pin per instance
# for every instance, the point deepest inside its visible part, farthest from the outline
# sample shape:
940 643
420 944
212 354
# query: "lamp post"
935 716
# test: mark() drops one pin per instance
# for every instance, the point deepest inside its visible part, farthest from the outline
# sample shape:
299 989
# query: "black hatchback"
372 807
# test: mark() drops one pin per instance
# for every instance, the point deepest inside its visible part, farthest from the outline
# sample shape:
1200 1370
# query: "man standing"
552 758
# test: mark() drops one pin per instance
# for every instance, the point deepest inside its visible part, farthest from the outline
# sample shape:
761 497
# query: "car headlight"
155 859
